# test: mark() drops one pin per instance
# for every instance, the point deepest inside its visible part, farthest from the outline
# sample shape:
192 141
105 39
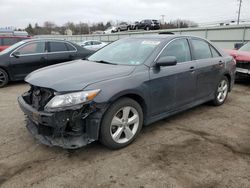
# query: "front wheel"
121 123
221 92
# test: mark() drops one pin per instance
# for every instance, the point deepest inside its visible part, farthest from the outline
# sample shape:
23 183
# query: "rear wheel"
221 92
4 79
121 123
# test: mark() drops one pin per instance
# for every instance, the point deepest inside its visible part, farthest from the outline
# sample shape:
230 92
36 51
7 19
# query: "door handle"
221 63
191 69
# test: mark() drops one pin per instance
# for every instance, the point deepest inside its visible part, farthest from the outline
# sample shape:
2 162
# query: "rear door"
31 56
209 65
60 51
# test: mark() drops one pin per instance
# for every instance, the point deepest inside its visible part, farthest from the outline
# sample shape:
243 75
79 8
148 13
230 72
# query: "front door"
173 86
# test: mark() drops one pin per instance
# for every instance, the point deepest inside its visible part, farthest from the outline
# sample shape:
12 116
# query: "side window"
201 49
178 48
88 43
9 41
32 48
96 43
58 47
70 47
215 53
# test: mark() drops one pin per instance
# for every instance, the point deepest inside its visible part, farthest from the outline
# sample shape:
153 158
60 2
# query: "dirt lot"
204 147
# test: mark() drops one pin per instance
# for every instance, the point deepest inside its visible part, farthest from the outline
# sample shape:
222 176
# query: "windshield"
246 47
12 47
127 51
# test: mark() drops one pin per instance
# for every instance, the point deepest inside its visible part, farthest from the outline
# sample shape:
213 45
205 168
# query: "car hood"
239 55
76 75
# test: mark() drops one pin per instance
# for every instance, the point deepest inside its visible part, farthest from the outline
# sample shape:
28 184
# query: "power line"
238 20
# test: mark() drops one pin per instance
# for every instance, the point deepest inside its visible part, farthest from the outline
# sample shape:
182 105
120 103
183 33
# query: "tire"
4 78
221 91
121 133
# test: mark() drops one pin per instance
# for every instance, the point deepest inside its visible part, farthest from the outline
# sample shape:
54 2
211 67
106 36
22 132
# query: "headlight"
71 99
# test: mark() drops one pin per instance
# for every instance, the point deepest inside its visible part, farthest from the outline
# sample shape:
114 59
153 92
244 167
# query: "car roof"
165 37
46 39
7 36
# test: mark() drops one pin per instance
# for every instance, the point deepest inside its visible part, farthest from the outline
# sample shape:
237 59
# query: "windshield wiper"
105 62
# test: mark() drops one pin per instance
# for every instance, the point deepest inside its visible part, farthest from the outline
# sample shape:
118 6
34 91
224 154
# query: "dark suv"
148 25
130 83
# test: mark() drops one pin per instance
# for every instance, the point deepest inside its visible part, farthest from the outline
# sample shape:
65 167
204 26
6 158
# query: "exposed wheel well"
6 72
229 80
138 99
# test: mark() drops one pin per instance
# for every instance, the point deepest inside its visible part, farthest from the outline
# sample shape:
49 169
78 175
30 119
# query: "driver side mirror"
166 61
16 54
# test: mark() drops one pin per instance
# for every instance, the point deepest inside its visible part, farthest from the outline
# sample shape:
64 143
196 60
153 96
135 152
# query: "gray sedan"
125 85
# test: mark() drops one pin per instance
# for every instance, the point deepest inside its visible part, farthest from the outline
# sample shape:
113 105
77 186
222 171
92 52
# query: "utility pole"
238 20
162 19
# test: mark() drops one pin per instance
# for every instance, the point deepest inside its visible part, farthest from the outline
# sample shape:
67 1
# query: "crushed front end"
69 128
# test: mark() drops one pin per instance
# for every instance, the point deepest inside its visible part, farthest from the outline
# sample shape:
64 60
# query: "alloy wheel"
222 91
124 124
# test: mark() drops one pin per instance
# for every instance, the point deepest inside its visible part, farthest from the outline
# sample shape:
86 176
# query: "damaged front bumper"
69 129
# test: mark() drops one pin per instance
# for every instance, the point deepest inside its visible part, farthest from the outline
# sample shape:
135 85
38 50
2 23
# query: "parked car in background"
98 32
134 25
148 25
110 30
26 56
123 26
92 44
130 83
6 41
242 57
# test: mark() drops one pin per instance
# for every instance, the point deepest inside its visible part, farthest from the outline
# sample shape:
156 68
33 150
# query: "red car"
242 57
6 41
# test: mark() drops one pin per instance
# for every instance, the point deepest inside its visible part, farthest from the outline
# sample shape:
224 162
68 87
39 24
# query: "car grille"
40 97
243 64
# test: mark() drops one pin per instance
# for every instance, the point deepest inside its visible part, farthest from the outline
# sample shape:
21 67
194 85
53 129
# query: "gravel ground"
203 147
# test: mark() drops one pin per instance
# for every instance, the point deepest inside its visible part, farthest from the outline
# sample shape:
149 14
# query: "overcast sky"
19 13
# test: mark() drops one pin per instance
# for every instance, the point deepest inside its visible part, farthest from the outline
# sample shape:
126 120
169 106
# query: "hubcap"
124 124
2 78
222 91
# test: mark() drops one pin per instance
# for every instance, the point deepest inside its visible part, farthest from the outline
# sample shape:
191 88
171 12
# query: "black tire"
106 127
4 78
216 101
